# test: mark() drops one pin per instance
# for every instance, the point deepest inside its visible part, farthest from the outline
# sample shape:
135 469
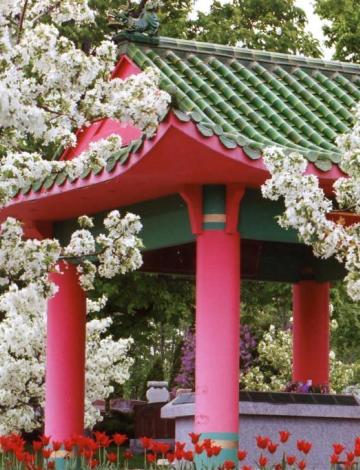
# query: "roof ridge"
235 52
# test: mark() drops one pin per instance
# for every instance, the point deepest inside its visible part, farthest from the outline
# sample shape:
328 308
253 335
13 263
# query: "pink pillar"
311 332
65 357
217 333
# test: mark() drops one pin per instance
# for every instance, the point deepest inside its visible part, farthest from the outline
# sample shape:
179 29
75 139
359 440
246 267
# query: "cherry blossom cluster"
49 88
22 361
306 206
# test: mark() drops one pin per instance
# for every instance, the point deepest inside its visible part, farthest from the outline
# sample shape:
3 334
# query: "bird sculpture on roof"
140 19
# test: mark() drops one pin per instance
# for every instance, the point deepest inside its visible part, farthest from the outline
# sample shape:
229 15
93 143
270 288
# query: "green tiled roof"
254 99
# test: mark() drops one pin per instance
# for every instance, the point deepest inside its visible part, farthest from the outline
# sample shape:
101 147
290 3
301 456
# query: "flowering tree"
49 88
186 376
273 368
306 205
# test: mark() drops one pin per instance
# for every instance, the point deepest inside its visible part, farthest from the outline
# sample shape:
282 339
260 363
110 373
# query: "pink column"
311 332
65 357
217 333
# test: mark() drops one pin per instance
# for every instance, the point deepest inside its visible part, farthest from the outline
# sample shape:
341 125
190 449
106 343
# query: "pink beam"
65 357
311 332
217 332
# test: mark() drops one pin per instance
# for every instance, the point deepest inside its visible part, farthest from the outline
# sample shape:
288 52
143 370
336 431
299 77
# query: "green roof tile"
253 98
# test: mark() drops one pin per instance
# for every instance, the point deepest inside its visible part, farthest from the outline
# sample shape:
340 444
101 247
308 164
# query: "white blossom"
306 206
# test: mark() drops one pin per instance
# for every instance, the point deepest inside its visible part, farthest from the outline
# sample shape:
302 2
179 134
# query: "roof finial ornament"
139 18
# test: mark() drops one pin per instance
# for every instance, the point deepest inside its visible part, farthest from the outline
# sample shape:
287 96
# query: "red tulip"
189 456
228 465
304 446
102 439
262 442
284 436
161 447
111 457
180 445
194 437
302 465
338 448
170 457
46 453
37 445
50 465
290 459
216 450
128 455
272 447
119 439
45 440
179 454
151 458
146 442
56 445
262 461
68 445
209 452
350 456
334 459
198 449
242 454
246 467
93 463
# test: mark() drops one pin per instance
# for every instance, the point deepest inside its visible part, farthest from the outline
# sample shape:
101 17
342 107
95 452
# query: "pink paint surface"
217 332
311 332
65 357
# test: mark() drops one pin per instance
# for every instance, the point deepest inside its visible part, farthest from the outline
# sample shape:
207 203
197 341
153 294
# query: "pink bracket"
234 194
38 229
192 195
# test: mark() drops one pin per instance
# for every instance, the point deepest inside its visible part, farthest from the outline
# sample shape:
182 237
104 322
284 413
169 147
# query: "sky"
315 24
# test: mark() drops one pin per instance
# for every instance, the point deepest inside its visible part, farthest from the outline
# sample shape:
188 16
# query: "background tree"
155 311
342 28
272 25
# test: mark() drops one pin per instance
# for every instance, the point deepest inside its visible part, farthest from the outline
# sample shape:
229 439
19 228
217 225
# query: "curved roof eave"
178 155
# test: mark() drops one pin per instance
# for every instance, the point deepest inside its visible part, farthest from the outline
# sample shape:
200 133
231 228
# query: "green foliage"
345 339
264 304
272 25
342 28
174 18
274 365
154 310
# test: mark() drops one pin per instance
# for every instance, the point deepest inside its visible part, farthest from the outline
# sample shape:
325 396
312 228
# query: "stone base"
321 424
